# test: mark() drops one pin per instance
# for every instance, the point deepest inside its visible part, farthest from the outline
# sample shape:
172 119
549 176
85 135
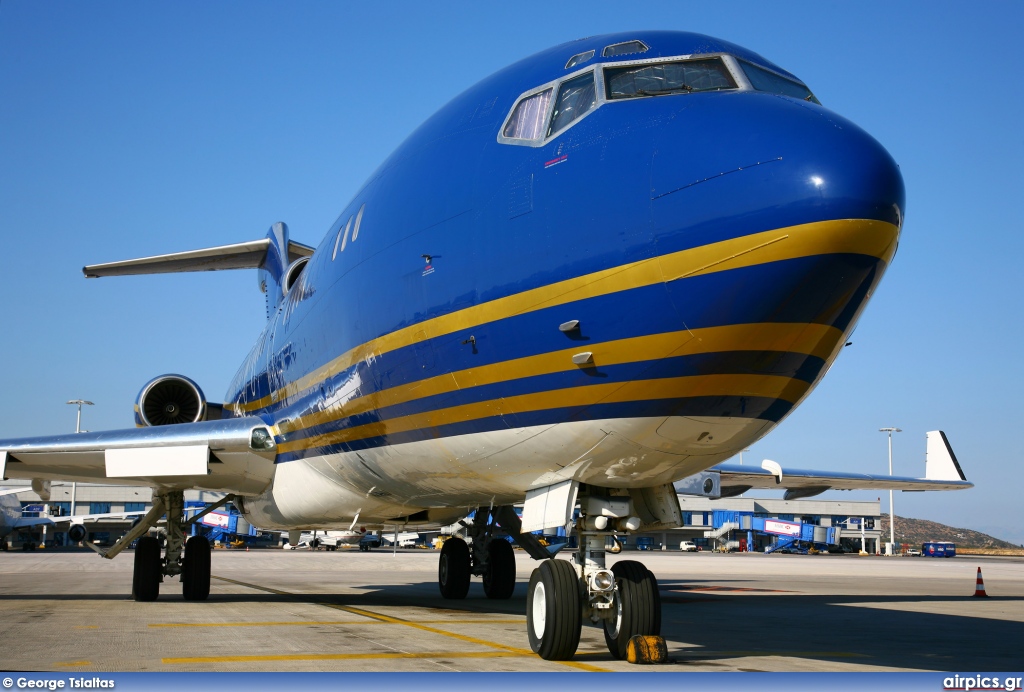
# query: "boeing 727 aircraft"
600 271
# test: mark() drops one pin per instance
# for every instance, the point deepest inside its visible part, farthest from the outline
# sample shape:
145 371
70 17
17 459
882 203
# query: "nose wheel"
553 610
637 606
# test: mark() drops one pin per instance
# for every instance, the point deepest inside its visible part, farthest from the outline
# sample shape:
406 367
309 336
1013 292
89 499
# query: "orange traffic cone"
979 589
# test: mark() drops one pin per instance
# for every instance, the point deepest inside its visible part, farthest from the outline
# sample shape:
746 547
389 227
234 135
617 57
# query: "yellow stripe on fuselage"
844 236
812 339
767 386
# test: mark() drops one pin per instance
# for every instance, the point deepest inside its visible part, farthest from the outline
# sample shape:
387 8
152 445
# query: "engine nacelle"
169 400
77 533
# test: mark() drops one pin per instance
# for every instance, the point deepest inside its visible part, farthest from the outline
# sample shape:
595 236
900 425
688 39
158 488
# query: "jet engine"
169 400
77 533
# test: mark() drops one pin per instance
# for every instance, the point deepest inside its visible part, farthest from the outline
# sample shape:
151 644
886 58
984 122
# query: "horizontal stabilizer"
250 255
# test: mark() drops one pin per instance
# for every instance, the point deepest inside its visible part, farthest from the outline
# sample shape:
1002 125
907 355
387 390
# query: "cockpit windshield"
575 97
657 79
763 80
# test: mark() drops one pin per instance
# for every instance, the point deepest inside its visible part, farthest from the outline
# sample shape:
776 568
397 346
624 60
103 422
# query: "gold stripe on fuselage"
766 386
812 339
853 236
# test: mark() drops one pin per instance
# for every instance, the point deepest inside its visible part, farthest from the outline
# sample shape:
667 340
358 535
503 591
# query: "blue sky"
131 129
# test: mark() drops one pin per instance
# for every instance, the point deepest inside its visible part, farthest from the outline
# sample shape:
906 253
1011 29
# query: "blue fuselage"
716 248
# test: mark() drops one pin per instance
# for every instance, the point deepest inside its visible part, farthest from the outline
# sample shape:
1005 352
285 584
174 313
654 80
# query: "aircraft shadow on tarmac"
704 624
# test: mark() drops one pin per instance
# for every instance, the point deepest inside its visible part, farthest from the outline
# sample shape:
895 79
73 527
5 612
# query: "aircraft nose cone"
771 211
758 162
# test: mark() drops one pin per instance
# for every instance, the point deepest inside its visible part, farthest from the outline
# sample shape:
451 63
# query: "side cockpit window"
658 79
579 59
529 118
624 48
763 80
576 97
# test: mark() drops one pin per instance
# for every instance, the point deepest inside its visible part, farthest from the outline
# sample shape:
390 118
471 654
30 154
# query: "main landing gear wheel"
500 577
453 569
195 569
148 569
637 606
553 613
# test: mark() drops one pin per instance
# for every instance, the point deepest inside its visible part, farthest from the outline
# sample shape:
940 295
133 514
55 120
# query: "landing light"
817 180
261 439
602 580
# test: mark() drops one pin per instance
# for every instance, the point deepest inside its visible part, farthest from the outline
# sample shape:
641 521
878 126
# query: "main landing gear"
488 555
189 560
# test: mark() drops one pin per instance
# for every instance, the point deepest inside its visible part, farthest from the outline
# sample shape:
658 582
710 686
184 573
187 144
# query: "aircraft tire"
500 577
554 615
146 575
453 569
195 569
637 604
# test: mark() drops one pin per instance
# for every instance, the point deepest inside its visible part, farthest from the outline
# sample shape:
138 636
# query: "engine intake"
169 400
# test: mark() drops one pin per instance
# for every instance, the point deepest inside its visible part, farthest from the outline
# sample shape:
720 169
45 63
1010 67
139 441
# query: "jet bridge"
783 533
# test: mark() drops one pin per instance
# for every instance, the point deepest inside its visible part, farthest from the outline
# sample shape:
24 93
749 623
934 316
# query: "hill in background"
918 531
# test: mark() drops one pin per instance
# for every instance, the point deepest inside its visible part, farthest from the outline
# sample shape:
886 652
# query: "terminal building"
731 523
726 524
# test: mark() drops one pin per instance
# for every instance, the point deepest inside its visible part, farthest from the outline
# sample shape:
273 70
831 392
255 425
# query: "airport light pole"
892 512
78 429
741 454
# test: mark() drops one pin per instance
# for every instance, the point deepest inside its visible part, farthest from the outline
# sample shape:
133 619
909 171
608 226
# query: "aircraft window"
343 231
579 59
624 48
359 220
763 80
575 97
667 78
527 121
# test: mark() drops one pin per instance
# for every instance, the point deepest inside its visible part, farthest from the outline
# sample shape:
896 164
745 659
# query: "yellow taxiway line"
500 650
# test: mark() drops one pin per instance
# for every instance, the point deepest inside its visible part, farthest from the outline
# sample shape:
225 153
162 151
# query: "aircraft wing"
942 472
233 455
76 519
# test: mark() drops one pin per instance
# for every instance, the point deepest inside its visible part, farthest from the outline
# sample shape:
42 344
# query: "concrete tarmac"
274 610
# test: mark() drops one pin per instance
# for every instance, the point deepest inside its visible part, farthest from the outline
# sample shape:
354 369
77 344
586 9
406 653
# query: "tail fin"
275 256
940 463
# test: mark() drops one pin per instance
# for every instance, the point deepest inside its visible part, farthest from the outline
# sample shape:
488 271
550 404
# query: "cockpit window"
579 59
708 74
575 97
527 121
624 48
763 80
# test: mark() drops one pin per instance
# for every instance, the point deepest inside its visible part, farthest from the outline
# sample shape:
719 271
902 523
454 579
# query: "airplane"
314 540
600 271
11 518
